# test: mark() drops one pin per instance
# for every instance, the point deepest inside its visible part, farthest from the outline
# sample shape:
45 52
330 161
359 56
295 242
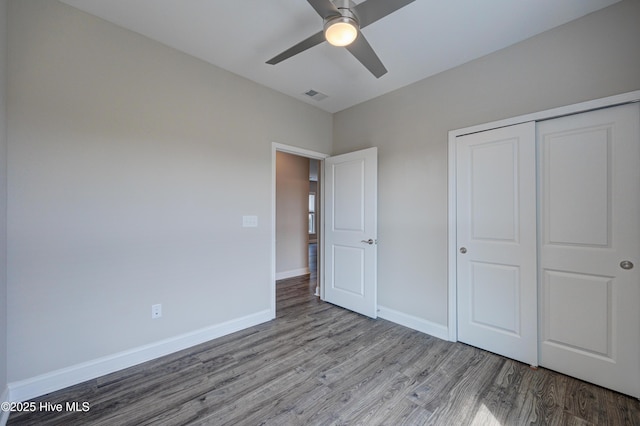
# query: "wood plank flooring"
317 364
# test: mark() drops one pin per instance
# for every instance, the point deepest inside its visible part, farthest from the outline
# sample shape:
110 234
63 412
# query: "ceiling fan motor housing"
346 9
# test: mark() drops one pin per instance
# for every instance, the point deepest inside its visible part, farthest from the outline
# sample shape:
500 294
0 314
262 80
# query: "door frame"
606 102
301 152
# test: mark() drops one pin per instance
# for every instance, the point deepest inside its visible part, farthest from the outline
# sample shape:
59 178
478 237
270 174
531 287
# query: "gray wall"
292 207
130 168
595 56
3 197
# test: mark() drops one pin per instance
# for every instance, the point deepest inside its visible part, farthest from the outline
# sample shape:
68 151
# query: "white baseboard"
59 379
437 330
4 415
292 273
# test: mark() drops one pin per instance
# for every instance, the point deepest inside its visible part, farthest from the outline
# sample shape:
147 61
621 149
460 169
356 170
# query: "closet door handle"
626 264
463 250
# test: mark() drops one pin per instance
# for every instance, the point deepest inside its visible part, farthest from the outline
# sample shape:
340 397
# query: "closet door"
496 235
589 249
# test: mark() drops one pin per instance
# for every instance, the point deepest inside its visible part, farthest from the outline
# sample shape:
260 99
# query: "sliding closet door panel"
496 261
589 226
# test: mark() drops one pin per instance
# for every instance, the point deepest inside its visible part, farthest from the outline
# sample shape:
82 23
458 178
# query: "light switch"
249 221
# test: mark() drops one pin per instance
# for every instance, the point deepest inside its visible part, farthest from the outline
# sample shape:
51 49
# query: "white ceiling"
422 39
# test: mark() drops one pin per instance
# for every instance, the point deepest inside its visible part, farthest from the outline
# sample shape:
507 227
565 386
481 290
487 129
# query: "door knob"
626 264
369 241
463 250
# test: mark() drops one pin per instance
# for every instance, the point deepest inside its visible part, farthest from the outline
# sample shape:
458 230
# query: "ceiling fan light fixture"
341 30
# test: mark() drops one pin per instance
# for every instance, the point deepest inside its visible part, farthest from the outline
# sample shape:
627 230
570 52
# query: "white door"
496 234
351 231
589 229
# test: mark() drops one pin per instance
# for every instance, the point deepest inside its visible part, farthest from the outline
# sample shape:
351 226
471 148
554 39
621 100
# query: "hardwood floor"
317 364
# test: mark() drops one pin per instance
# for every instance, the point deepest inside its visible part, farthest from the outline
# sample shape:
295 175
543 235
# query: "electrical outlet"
156 311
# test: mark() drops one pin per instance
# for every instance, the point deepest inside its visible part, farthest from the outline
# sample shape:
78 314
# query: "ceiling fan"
343 20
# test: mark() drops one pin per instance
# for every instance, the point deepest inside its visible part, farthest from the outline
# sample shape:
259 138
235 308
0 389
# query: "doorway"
346 251
293 215
296 225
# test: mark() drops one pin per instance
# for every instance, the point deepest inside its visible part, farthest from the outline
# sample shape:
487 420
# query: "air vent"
314 94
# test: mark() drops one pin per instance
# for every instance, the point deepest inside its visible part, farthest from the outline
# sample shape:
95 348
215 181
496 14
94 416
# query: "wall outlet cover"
249 221
156 311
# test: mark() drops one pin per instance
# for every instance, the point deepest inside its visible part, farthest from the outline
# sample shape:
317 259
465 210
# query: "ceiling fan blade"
300 47
324 8
372 10
363 52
